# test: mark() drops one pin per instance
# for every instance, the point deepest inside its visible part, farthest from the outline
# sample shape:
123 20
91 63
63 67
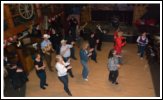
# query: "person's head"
111 53
63 42
37 26
120 33
59 58
85 45
46 36
92 34
144 34
37 56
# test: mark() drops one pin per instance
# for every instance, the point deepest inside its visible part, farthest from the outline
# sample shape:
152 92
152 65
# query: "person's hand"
119 66
72 42
43 67
89 54
69 67
91 50
97 41
69 60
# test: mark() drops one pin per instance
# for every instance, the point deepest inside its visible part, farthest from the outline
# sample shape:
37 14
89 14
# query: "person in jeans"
84 55
62 72
40 70
142 42
113 65
66 53
47 49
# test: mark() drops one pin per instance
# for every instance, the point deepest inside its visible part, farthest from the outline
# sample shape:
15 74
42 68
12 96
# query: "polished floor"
134 78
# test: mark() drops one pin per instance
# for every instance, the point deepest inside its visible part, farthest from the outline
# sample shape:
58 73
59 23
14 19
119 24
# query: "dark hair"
111 53
36 54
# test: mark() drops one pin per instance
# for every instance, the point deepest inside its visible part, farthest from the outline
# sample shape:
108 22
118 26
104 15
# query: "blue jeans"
65 59
85 69
138 48
142 49
64 80
42 76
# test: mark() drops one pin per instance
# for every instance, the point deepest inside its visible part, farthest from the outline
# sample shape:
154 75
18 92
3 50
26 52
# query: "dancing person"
92 44
47 49
142 42
66 53
84 56
62 72
99 35
119 43
40 70
113 66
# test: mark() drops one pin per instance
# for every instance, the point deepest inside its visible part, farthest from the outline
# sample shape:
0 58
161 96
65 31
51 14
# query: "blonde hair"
120 33
59 58
85 44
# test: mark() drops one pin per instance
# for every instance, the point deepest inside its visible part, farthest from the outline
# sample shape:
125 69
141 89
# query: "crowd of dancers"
63 45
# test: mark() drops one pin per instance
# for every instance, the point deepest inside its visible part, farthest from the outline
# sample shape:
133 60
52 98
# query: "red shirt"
119 44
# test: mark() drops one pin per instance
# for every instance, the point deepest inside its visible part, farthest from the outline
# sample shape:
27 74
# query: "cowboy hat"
46 36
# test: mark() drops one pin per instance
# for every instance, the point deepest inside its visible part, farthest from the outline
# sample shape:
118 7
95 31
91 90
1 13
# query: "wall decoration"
26 10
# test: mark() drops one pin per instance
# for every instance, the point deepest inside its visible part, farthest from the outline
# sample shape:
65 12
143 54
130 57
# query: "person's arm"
146 40
38 68
43 67
138 39
62 51
117 62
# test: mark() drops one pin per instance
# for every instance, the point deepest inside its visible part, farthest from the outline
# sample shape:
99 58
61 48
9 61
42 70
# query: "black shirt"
92 42
40 64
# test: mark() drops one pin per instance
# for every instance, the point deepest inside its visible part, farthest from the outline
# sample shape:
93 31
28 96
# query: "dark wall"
124 16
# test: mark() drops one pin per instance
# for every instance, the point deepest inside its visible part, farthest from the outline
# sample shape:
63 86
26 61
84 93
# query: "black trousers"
94 55
69 70
113 75
99 45
72 52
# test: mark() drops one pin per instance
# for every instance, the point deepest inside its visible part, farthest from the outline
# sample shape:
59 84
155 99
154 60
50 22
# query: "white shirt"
61 69
67 53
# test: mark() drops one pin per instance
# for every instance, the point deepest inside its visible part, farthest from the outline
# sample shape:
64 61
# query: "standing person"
142 42
92 44
40 70
84 55
99 35
55 39
72 50
113 65
119 43
62 72
73 25
116 34
66 53
47 49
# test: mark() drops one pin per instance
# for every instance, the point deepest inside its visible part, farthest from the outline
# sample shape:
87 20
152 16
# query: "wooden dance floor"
134 78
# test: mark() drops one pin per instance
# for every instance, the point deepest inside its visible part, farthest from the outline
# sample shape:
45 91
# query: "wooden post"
8 16
38 10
